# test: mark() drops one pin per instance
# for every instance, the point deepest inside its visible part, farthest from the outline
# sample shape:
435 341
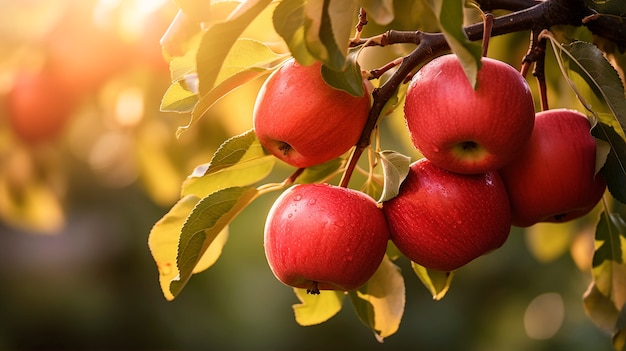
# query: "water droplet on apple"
297 198
435 148
290 215
340 224
312 201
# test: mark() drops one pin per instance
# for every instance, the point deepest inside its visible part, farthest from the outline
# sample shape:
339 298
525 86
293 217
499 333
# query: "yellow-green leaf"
437 282
380 302
207 219
316 309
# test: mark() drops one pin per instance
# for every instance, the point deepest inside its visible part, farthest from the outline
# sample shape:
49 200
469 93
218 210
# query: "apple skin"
443 220
465 130
38 107
325 237
302 120
554 179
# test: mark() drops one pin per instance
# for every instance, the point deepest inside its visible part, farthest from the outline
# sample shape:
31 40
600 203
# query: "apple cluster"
489 162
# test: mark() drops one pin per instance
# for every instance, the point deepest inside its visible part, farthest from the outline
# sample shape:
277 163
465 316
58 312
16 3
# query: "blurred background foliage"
88 164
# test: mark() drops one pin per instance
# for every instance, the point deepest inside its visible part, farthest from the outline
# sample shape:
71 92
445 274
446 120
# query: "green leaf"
178 99
220 38
610 236
239 161
244 54
614 170
450 16
316 309
288 21
163 242
342 15
395 169
586 61
207 219
321 172
437 282
349 79
608 293
380 302
208 100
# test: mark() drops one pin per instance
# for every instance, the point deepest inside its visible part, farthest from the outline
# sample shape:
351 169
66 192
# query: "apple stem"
354 158
313 290
537 54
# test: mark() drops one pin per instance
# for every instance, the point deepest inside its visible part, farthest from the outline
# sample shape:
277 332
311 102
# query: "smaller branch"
359 26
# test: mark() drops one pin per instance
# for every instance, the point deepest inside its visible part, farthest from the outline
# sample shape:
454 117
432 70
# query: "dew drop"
290 215
435 148
340 224
297 198
312 201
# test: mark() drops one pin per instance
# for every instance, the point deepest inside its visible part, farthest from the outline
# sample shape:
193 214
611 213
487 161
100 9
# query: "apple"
468 130
38 107
325 237
443 220
302 120
554 179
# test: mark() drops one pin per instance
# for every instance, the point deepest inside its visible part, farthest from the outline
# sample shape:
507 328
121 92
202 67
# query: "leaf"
199 11
207 219
395 169
316 309
207 101
178 99
380 302
342 15
437 282
244 54
349 79
600 309
288 21
163 243
588 62
607 295
239 161
220 38
450 16
614 170
321 172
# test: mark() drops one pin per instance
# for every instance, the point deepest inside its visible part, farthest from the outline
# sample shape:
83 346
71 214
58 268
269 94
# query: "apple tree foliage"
209 58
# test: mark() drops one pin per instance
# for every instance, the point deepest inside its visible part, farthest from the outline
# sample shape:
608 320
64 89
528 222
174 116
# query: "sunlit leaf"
178 99
614 170
246 53
607 295
163 243
437 282
600 309
182 65
395 169
239 161
288 21
380 302
199 11
342 15
207 219
219 39
208 100
316 309
450 16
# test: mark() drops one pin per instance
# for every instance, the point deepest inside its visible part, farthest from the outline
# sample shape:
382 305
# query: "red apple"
38 107
554 179
468 130
443 220
324 237
302 120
